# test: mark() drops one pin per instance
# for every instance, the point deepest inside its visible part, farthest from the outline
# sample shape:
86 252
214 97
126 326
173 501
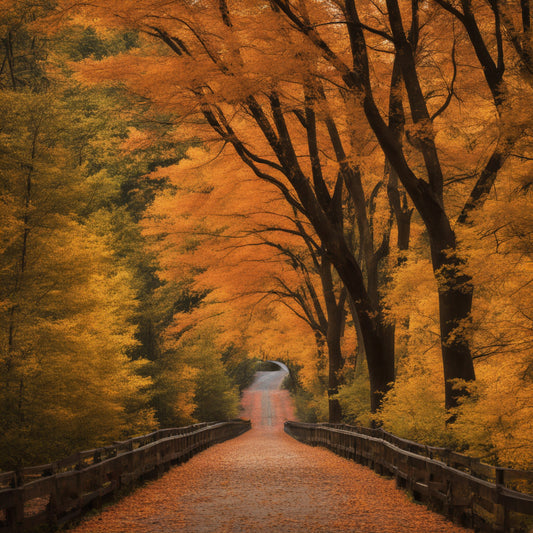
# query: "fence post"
100 486
97 456
53 503
79 490
160 466
80 464
15 514
19 477
501 512
446 456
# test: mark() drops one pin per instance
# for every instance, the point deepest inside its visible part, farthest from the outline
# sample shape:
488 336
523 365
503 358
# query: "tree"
64 304
22 50
214 237
279 120
67 307
425 187
289 123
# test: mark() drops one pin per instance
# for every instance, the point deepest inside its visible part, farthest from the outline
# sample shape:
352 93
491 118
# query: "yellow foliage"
66 380
414 408
496 423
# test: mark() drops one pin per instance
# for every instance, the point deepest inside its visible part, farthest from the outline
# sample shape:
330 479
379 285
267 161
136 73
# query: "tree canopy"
342 185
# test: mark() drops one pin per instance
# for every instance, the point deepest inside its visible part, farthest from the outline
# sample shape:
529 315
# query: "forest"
191 187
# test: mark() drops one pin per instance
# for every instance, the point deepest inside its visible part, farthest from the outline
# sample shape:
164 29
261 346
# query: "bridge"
268 480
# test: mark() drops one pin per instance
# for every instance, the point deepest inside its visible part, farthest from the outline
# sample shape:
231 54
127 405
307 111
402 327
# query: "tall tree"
215 237
280 133
425 186
65 307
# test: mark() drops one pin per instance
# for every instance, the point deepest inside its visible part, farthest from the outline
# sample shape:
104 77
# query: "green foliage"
311 407
211 395
216 397
65 306
23 50
240 368
294 381
174 390
80 42
267 366
310 397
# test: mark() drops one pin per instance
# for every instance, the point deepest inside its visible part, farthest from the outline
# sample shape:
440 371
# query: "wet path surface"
265 481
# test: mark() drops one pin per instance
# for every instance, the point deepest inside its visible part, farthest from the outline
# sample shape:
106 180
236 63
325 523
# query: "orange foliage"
231 235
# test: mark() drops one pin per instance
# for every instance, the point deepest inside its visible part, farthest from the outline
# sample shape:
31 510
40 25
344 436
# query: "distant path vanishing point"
265 481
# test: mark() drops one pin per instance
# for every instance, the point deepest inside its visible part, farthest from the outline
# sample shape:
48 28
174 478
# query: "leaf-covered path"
265 481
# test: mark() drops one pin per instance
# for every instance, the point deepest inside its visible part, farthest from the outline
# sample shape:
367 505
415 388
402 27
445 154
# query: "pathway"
265 481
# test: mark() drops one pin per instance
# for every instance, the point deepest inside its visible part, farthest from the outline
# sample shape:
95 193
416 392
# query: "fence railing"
61 492
469 492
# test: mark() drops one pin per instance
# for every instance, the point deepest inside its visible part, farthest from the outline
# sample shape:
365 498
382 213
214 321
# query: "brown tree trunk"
309 196
335 313
380 359
455 307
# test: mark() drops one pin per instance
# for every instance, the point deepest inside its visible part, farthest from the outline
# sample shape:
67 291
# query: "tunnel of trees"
190 187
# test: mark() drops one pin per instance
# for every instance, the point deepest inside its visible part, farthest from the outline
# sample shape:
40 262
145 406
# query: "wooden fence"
467 491
60 492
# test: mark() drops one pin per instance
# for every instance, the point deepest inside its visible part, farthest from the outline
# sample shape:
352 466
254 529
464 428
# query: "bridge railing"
464 489
60 492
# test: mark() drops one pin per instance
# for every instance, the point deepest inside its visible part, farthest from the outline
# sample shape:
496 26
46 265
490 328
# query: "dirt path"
265 481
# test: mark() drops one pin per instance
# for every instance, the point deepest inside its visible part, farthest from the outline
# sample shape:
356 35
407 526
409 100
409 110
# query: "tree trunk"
455 307
379 358
336 361
335 315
